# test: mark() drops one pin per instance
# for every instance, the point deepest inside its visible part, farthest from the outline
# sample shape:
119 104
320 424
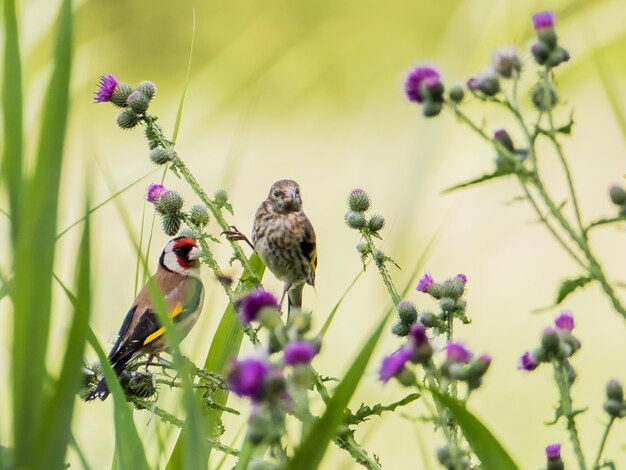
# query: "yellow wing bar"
178 308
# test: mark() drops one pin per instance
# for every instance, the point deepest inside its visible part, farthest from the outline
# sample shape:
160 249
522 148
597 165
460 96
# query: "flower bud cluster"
453 458
618 197
282 371
134 102
546 50
424 86
169 205
417 350
460 364
557 344
449 295
615 405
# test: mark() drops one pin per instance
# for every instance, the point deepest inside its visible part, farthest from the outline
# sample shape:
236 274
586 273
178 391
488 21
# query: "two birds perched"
282 236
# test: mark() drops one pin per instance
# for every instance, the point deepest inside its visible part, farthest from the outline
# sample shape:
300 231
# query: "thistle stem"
605 436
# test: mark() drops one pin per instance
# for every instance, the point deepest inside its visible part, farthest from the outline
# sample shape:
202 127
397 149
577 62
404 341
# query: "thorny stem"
562 380
380 264
605 435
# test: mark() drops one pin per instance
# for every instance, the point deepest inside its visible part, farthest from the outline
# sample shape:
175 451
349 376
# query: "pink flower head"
553 452
246 377
418 77
565 321
456 352
299 352
108 84
154 192
425 283
393 364
462 278
543 20
526 362
250 305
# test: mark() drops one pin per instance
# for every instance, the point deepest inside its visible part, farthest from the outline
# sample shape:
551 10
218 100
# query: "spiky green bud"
400 329
358 200
160 156
199 215
170 224
407 312
138 102
613 407
544 96
614 390
127 119
187 233
457 93
363 248
147 88
379 256
431 108
428 319
121 94
151 135
618 195
376 223
220 197
169 203
356 220
259 428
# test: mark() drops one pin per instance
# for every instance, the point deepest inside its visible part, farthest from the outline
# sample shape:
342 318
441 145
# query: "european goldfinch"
178 278
284 239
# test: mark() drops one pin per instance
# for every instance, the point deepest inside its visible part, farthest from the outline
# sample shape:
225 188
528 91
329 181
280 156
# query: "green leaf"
31 292
12 110
475 181
365 412
225 344
567 128
310 452
487 448
54 432
570 285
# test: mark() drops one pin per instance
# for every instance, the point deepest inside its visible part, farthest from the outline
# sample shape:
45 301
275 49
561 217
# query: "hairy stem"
380 264
605 435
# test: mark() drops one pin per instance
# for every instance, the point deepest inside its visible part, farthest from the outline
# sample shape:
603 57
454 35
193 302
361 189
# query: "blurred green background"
313 91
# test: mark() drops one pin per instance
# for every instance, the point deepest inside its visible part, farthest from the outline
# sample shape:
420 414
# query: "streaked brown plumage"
284 239
178 278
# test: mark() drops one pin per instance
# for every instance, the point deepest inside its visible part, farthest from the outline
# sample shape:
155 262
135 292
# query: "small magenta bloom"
456 352
420 76
553 451
299 352
526 362
108 84
393 364
542 20
246 377
418 335
565 321
462 278
425 283
154 192
250 305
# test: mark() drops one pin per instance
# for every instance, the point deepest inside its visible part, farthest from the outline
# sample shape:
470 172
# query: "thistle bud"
540 52
358 200
199 215
407 312
127 119
259 427
447 304
170 224
453 288
544 96
557 57
220 197
614 391
170 202
363 248
618 195
400 329
138 102
613 408
121 94
376 223
299 321
431 108
355 220
550 340
147 88
379 256
456 93
160 156
506 61
151 135
427 319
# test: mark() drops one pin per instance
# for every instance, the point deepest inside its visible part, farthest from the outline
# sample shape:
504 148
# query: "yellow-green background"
313 90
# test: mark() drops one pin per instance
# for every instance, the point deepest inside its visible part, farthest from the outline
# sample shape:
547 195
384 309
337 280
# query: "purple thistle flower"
462 278
154 192
251 304
553 451
526 362
299 352
425 283
456 352
418 77
418 335
544 19
565 321
393 364
106 87
246 377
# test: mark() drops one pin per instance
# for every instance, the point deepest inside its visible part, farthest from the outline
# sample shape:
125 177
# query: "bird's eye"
178 251
278 193
297 190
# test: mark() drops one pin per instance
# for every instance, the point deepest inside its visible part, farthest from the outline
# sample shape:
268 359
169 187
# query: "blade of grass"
54 432
128 446
487 448
13 113
331 316
31 291
181 103
225 344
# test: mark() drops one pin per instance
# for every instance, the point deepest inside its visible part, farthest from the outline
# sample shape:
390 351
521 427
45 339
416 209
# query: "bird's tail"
101 390
294 298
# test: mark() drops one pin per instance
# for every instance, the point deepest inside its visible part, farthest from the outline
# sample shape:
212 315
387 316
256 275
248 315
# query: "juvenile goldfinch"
284 239
178 278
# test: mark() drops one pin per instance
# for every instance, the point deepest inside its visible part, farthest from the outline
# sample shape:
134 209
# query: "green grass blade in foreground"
487 448
12 112
181 103
31 293
332 314
226 344
310 453
54 431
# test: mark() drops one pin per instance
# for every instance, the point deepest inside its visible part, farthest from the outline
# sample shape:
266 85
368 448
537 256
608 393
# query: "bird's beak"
294 196
194 253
